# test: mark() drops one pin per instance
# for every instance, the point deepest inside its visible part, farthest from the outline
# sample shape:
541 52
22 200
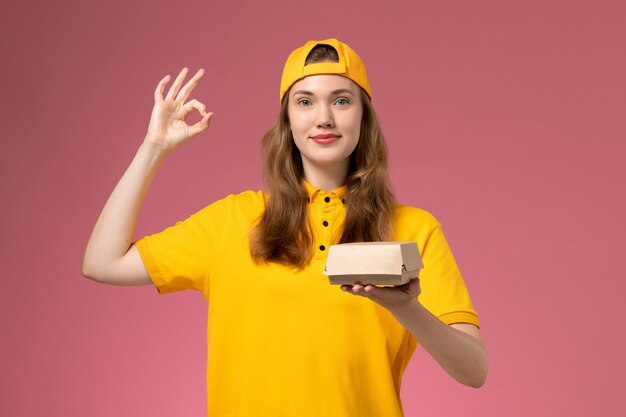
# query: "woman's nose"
324 117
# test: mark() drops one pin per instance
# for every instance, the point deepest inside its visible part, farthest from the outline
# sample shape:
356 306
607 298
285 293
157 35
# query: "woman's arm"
110 256
458 348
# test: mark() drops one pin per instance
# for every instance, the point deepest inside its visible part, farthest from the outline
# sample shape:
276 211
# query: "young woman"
281 340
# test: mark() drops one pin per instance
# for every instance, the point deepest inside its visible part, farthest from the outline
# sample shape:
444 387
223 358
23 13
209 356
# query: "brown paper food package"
376 263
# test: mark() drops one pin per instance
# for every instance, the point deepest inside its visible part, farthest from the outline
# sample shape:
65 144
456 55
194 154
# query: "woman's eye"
304 102
342 101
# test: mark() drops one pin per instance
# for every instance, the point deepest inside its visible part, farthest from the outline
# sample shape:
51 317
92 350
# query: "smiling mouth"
325 138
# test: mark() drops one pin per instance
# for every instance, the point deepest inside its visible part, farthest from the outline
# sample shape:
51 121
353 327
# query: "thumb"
202 125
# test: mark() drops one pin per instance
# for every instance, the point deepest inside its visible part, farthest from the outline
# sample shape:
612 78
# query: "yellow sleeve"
444 292
180 257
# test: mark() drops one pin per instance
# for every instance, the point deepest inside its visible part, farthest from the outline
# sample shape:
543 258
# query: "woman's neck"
327 178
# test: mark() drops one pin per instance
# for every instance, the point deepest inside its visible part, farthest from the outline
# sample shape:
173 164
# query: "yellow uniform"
283 342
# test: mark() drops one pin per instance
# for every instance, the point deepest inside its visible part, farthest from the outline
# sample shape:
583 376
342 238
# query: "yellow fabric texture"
350 66
284 342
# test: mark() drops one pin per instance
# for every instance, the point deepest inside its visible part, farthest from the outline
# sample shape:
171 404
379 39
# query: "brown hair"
282 233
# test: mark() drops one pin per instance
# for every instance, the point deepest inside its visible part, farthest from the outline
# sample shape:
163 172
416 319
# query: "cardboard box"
377 263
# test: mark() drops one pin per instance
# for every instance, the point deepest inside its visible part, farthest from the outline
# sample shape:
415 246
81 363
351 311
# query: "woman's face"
325 115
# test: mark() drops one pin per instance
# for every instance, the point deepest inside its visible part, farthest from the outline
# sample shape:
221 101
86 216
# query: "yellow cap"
349 66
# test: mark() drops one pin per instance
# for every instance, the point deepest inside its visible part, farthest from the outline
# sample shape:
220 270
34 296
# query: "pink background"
505 119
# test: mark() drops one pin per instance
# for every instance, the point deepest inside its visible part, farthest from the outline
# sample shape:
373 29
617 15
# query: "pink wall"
505 119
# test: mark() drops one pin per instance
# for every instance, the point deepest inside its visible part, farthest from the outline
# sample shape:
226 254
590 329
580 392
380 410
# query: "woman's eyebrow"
306 93
342 91
334 93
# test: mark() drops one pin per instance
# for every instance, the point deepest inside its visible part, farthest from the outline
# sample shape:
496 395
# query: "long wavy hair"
282 234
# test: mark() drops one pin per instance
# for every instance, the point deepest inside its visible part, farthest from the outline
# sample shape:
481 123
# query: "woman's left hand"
388 297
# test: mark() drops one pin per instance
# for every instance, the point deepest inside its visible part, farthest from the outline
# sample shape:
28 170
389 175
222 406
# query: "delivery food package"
376 263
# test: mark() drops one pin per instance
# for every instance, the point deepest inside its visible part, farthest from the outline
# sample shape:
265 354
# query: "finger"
358 287
158 93
195 104
171 95
201 126
350 290
191 84
371 289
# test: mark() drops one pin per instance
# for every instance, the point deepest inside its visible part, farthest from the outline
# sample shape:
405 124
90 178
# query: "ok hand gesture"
167 128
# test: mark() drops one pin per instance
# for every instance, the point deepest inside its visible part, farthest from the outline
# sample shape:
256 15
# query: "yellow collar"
317 193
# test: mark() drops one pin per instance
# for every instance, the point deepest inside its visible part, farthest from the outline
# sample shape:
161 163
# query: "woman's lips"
325 139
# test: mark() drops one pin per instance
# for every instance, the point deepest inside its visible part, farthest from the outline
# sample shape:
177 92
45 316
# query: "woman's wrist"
406 309
154 151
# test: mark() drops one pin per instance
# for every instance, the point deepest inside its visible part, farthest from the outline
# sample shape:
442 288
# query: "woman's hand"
388 297
167 128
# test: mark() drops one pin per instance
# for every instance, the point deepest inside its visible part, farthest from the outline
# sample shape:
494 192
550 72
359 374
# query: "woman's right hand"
167 128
